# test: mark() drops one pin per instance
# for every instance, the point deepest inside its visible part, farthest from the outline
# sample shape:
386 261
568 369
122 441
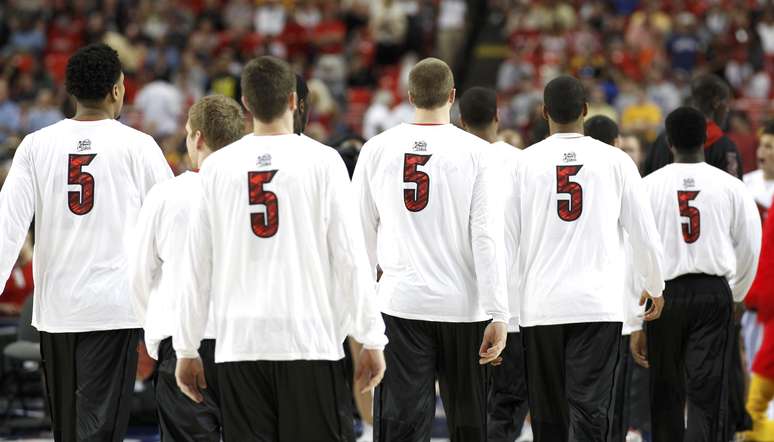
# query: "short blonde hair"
219 119
430 83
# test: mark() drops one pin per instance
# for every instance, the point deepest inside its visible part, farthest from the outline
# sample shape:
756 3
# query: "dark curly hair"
92 71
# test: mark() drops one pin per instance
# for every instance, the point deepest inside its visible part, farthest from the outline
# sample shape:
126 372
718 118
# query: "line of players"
272 250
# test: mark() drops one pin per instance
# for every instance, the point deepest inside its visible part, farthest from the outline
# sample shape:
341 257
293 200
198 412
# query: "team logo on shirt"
420 146
84 145
264 160
569 157
689 182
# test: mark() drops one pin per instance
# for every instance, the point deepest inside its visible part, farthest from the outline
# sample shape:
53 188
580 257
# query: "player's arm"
17 207
487 237
746 236
154 167
194 301
512 218
144 260
365 205
637 219
354 275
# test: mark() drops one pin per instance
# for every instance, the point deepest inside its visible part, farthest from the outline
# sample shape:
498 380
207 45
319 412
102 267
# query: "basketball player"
433 223
605 130
711 95
83 179
711 235
155 273
507 402
273 232
760 182
569 252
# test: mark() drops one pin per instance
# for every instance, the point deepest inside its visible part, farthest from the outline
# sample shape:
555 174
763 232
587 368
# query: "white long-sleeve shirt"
432 216
708 223
570 196
84 182
275 245
507 156
156 261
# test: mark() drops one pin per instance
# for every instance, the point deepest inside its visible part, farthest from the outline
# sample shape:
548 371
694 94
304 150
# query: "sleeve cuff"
186 354
500 317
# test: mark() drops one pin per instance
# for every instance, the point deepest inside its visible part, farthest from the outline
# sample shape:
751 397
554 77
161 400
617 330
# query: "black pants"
508 395
180 418
90 379
738 418
285 401
689 350
621 399
418 352
570 373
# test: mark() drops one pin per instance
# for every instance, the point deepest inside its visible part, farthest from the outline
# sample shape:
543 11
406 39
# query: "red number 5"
80 202
691 229
264 225
416 199
569 210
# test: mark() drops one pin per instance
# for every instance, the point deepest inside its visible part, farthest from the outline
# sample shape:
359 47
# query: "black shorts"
89 380
180 418
285 401
419 352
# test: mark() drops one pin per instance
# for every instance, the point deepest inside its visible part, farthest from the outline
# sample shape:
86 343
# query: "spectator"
44 112
598 105
10 114
270 18
161 105
683 46
389 25
663 92
451 29
642 117
765 29
377 117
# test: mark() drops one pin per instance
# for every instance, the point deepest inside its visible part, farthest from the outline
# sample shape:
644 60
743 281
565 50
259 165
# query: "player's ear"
452 95
545 113
410 99
497 116
585 109
244 103
293 101
199 140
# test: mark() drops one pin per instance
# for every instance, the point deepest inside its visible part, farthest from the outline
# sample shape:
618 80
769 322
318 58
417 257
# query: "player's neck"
432 116
92 113
689 158
280 126
575 127
489 134
768 175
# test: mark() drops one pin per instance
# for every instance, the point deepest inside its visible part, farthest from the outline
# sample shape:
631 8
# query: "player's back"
698 208
570 191
422 180
89 179
268 201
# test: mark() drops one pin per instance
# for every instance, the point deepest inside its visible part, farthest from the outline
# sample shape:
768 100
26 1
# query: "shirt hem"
433 318
571 320
302 356
81 329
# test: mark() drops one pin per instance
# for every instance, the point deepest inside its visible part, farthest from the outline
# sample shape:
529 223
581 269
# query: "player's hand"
656 305
638 344
493 344
190 378
370 370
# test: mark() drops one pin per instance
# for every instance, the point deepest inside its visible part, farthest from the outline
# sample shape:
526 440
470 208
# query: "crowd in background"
635 56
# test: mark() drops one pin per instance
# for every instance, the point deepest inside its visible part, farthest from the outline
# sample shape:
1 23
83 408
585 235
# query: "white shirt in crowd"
155 262
84 182
275 245
508 156
708 223
570 196
433 222
761 189
161 105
